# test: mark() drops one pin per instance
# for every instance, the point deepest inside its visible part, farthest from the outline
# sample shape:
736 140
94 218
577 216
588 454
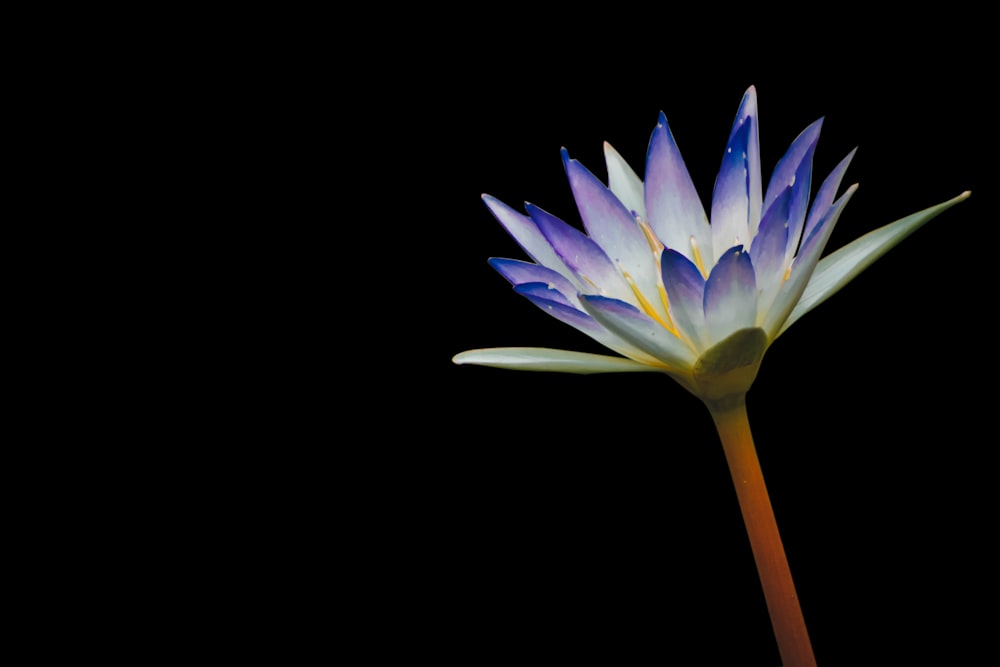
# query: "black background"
561 518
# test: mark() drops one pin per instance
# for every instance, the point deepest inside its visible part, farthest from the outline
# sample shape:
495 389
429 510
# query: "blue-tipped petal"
843 265
518 273
614 228
550 360
731 198
628 323
787 169
624 182
686 292
748 111
767 254
524 230
675 211
730 295
557 307
542 291
777 319
581 254
826 194
794 170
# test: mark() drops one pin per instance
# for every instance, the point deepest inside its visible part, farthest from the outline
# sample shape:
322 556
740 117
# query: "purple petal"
675 211
584 323
612 226
686 292
748 110
581 254
825 195
526 233
640 330
542 291
794 170
518 273
788 166
767 254
803 267
731 198
730 295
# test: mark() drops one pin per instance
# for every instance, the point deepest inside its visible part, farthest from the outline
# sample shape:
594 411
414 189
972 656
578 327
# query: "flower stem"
772 566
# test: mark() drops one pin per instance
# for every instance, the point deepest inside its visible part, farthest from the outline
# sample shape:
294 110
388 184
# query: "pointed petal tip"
662 119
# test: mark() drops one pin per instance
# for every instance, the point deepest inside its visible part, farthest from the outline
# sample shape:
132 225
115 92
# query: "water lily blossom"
697 295
672 289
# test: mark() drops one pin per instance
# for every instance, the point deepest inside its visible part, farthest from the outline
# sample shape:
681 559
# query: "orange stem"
772 566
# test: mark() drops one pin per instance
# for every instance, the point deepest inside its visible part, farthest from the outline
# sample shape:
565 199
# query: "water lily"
696 295
653 280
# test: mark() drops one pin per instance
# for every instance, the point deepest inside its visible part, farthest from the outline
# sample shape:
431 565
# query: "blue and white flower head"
672 289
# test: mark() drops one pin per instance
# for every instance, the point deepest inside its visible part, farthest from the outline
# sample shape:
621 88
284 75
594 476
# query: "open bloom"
653 280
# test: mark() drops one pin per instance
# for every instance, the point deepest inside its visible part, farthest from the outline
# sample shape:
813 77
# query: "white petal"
547 359
841 267
730 299
731 198
638 329
624 182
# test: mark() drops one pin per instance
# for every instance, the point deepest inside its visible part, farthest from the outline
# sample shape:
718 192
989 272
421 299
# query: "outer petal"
803 267
518 273
624 182
547 359
675 210
536 291
730 295
556 305
526 233
794 170
842 266
826 194
583 257
640 330
686 292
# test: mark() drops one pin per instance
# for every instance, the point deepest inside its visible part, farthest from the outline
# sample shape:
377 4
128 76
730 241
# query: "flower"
654 281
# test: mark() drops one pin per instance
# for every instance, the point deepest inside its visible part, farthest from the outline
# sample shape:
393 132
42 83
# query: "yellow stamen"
788 271
647 307
666 302
697 258
654 242
656 246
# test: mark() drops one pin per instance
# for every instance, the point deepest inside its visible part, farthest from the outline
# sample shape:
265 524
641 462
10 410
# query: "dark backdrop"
568 518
